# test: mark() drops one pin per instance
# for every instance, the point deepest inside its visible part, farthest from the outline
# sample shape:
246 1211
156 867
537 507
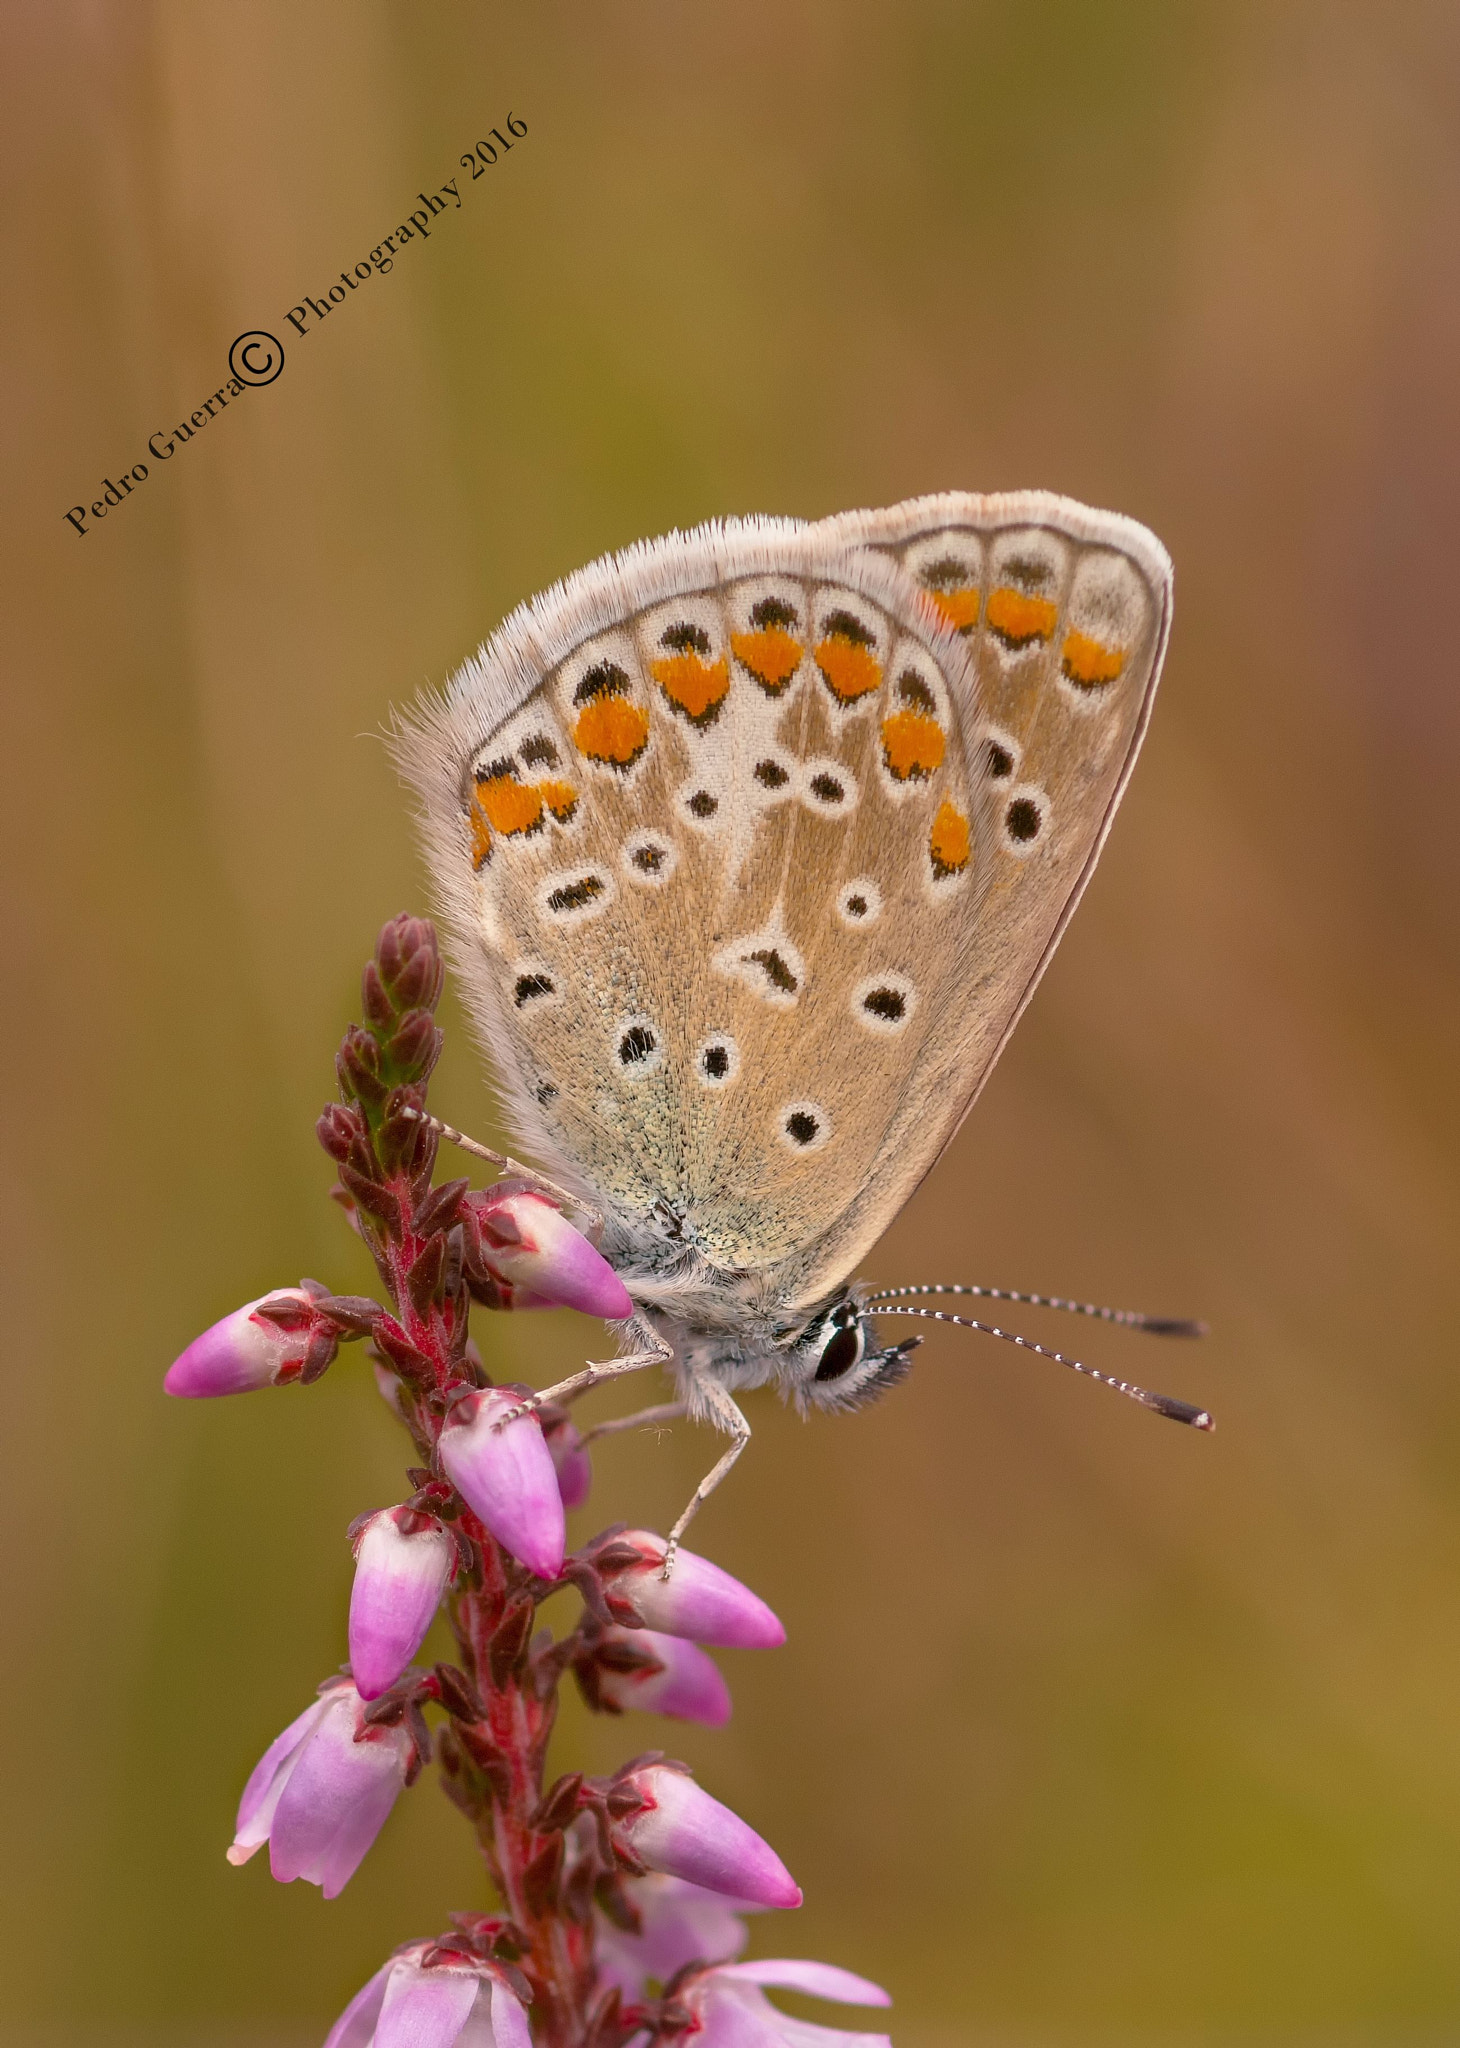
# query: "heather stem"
492 1762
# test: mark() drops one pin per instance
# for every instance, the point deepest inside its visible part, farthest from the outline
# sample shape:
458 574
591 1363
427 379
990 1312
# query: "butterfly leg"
642 1418
729 1418
593 1375
507 1165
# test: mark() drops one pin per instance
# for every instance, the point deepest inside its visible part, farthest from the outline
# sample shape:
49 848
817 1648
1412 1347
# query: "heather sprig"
621 1898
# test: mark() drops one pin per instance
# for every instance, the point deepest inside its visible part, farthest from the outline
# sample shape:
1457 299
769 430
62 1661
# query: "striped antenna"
1163 1404
1128 1318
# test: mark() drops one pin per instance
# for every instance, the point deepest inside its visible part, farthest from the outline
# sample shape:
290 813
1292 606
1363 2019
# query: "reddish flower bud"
409 963
248 1350
415 1045
505 1475
683 1831
697 1601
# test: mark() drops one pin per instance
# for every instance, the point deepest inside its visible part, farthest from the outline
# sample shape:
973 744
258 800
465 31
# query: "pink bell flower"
247 1350
730 2010
506 1477
538 1259
638 1668
698 1601
403 1561
409 2005
682 1831
321 1793
679 1923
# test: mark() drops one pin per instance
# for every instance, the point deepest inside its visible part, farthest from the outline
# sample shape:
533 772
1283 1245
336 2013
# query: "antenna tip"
1183 1411
1173 1326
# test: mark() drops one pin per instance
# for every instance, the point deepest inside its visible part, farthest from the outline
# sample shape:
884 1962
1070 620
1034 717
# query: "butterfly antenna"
1163 1404
1128 1318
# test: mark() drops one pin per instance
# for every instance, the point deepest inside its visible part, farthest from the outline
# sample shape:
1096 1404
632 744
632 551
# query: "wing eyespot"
649 859
803 1127
884 1003
859 903
718 1061
638 1049
533 987
1024 822
575 895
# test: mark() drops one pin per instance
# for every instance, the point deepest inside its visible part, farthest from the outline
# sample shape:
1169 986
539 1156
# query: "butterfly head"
836 1362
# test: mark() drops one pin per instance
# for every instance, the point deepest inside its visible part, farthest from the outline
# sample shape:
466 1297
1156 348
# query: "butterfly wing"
718 839
1065 613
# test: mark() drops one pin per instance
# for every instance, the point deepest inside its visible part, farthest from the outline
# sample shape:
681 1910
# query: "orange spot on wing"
695 687
611 729
959 608
912 744
561 799
948 842
850 669
1088 663
1018 618
481 836
772 657
507 806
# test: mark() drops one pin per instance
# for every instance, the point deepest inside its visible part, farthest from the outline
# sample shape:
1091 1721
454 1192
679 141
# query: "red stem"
558 1959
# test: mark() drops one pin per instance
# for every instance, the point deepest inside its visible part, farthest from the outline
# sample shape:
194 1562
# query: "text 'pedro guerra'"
257 357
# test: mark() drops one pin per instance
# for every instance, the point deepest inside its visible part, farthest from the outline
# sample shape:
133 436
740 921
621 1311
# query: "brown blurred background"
1089 1729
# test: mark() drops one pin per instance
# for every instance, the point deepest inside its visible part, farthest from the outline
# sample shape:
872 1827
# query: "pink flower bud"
505 1475
246 1350
571 1462
540 1260
682 1682
322 1791
413 2003
697 1601
683 1831
730 2009
679 1923
402 1563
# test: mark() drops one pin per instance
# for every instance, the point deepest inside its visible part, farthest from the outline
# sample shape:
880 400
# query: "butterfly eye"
838 1364
841 1354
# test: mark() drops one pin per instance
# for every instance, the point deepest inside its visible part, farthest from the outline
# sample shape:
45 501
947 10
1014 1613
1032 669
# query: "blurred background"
1088 1729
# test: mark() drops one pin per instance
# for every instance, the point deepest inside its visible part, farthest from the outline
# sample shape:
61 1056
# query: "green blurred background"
1088 1729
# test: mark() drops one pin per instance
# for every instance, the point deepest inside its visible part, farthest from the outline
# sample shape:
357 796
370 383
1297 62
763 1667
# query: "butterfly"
751 844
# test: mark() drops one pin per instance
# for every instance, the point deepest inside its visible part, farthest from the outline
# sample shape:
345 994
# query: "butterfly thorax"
828 1357
714 1320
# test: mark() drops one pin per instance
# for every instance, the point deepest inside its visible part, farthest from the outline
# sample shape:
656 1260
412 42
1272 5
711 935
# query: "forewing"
709 826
